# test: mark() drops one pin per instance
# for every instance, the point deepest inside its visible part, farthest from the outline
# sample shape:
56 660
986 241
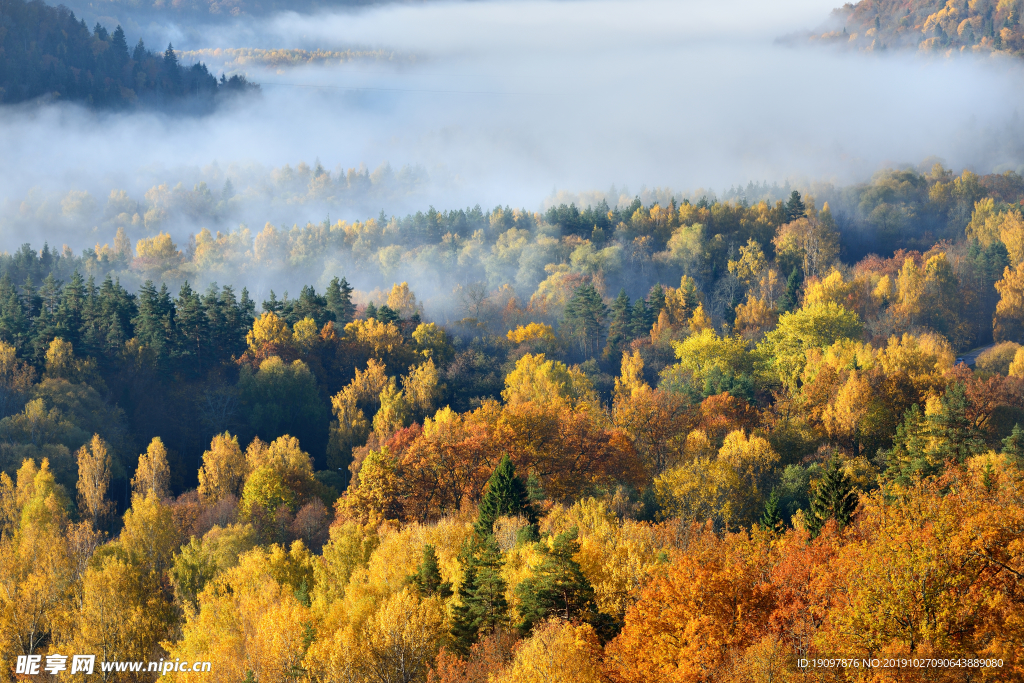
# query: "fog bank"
507 102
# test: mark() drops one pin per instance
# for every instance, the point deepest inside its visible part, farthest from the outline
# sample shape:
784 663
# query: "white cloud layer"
510 99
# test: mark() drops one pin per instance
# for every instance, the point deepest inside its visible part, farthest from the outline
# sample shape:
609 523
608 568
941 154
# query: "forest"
45 51
975 26
677 440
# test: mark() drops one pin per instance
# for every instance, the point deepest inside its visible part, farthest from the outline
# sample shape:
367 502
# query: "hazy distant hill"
47 51
207 10
982 26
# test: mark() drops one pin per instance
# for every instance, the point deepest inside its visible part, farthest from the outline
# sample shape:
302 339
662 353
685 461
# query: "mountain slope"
980 26
46 51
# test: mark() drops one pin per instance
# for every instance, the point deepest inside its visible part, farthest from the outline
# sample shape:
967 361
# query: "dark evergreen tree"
230 337
371 311
14 325
92 330
642 320
246 309
790 300
272 305
835 499
656 300
171 72
312 305
427 579
339 302
957 437
386 314
70 315
1013 445
154 323
557 587
584 319
795 207
216 324
506 495
33 303
620 331
482 607
771 518
192 326
908 459
119 47
44 327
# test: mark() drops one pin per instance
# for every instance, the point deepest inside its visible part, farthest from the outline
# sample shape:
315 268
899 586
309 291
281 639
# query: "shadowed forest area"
690 441
46 52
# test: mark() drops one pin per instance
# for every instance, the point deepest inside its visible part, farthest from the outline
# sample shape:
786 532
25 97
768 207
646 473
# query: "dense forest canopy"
46 51
248 418
213 219
641 429
974 26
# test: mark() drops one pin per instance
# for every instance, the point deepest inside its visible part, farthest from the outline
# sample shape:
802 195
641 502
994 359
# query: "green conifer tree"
909 459
791 297
795 207
641 319
273 305
312 305
834 499
957 437
506 495
482 606
427 578
620 330
386 314
339 302
557 587
988 476
1013 445
656 300
771 518
584 319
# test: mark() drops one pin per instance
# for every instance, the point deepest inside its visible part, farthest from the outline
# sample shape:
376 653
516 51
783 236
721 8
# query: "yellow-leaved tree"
546 382
153 475
1008 322
250 620
224 469
556 651
93 480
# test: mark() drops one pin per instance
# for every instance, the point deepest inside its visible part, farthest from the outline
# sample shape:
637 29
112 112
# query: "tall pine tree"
584 319
795 207
621 329
506 496
790 299
339 302
834 499
482 607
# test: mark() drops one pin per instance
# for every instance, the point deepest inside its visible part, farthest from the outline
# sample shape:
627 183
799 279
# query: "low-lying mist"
507 103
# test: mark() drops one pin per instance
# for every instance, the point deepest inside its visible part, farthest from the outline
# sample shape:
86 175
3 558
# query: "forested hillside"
979 26
45 51
687 442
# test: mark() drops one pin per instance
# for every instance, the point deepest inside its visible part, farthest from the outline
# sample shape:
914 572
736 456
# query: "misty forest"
334 367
